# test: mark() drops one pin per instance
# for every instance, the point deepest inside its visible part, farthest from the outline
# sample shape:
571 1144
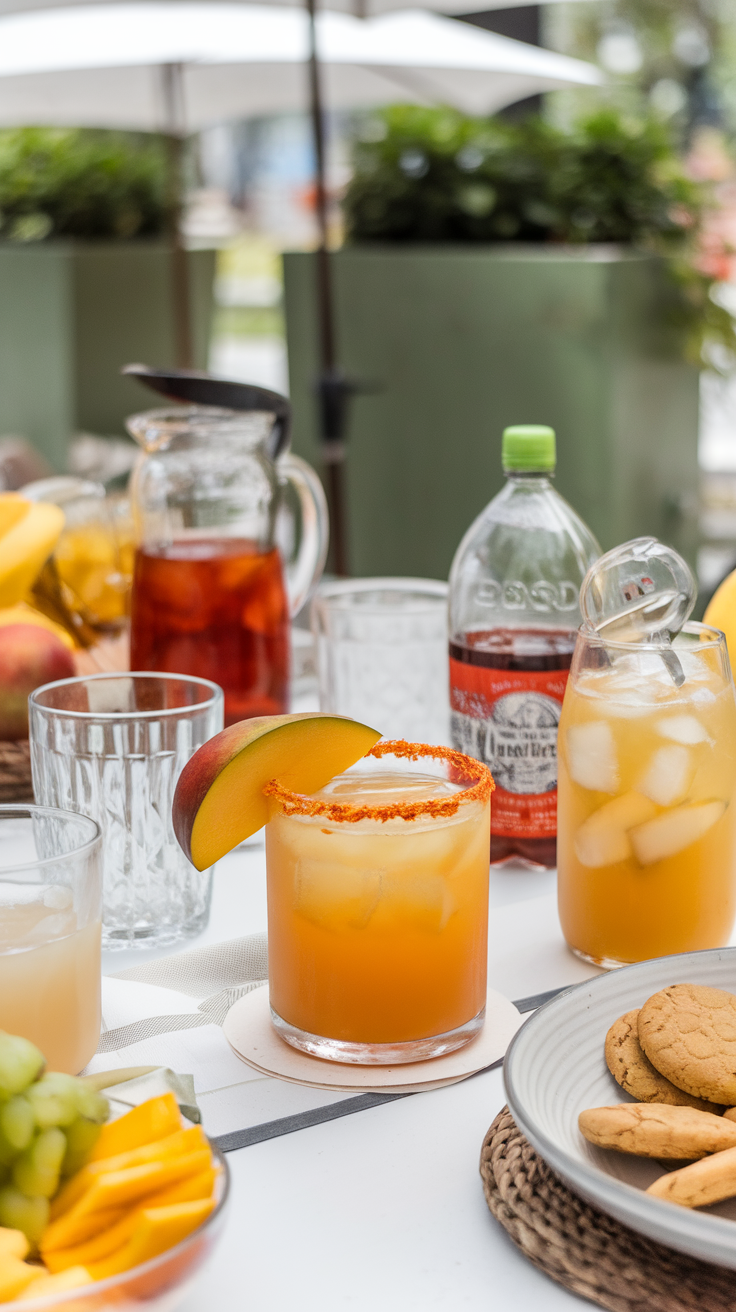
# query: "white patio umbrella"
100 66
358 8
179 66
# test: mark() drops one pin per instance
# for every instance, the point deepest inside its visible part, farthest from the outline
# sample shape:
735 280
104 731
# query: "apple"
29 656
219 798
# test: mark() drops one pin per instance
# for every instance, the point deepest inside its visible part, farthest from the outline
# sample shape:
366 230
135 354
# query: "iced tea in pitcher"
217 609
211 596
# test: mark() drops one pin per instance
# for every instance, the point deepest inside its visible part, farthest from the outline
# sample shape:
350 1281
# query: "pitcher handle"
303 573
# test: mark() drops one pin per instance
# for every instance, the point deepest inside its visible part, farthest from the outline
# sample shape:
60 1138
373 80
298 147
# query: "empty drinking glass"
382 655
112 746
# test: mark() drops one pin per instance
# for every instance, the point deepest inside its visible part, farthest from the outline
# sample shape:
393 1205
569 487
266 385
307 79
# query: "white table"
383 1209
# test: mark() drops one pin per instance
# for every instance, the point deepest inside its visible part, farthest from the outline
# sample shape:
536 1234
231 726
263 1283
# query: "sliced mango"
14 1276
219 799
158 1229
155 1119
29 531
45 1285
192 1189
13 1243
178 1144
117 1190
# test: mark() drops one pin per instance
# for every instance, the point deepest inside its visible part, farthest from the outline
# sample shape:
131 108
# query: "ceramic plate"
555 1068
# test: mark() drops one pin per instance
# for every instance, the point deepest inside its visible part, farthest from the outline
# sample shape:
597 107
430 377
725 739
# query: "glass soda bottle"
514 614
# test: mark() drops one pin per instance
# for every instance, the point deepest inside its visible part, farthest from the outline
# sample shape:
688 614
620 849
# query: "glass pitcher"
211 596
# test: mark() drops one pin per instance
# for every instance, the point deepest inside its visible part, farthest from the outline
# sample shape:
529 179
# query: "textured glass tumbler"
382 655
50 907
112 746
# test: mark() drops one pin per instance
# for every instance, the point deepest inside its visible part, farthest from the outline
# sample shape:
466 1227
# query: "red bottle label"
509 718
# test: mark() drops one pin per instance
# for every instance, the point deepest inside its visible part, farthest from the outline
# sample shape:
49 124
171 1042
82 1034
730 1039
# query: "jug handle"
303 574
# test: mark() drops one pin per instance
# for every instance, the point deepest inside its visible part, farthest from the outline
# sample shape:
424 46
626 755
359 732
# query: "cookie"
708 1181
688 1032
632 1069
652 1129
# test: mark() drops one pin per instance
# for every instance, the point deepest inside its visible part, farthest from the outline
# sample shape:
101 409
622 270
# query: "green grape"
8 1153
17 1212
37 1171
93 1106
81 1137
17 1122
53 1099
20 1063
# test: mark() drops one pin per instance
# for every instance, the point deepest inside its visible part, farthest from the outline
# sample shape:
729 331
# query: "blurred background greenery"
647 161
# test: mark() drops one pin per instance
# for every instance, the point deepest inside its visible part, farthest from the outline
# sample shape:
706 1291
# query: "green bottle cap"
528 446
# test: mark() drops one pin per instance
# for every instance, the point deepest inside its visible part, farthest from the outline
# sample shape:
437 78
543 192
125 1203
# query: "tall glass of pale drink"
646 819
378 907
50 932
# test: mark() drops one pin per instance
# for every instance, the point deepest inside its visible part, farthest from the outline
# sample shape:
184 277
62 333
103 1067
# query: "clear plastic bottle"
514 613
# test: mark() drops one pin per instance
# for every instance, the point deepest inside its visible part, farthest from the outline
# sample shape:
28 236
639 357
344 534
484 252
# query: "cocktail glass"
378 907
646 820
50 913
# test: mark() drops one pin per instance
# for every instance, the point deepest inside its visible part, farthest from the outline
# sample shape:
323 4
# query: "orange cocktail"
646 826
378 907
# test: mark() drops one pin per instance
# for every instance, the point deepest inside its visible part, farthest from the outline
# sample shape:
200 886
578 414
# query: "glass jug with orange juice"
211 597
647 772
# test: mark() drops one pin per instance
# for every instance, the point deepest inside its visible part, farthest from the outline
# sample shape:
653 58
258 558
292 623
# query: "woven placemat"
15 772
584 1249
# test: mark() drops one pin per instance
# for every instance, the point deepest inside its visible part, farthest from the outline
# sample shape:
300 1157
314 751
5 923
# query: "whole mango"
721 613
29 656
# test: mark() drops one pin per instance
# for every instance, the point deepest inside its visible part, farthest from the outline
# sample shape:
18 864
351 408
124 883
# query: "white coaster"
251 1035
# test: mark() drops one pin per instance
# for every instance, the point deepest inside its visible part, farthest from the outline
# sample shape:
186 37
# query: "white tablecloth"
382 1209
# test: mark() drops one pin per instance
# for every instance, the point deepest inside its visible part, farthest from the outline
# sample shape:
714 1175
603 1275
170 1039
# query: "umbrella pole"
173 95
332 388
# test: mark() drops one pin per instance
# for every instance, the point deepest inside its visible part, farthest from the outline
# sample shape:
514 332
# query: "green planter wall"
71 313
462 341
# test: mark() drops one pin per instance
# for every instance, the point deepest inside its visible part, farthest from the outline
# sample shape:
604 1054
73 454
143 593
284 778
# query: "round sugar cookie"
632 1069
688 1032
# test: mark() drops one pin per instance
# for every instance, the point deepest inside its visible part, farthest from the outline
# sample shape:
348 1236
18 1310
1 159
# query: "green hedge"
435 175
81 183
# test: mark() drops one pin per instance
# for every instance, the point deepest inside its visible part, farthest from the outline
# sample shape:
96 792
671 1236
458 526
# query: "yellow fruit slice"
219 798
174 1145
192 1189
111 1192
14 1276
154 1119
13 1243
45 1285
23 614
158 1229
29 532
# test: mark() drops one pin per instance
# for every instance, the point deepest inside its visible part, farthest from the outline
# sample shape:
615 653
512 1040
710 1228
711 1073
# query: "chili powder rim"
467 767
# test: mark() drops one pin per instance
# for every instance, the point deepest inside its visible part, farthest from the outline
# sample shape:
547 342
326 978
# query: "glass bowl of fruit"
98 1213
